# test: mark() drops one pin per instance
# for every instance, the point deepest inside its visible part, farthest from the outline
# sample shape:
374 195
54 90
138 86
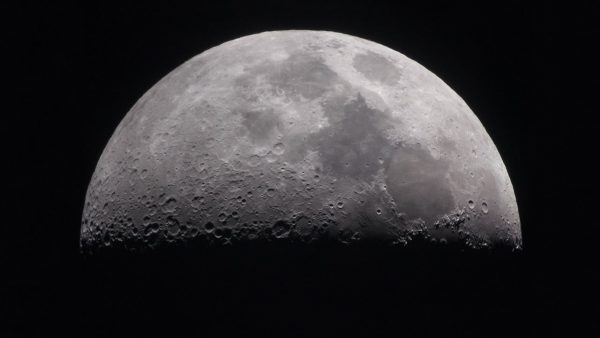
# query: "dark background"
522 68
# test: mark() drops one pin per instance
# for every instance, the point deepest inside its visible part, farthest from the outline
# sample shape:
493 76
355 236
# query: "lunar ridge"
300 137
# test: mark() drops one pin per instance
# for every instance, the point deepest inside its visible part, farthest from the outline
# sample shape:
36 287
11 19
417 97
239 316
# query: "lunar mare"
300 136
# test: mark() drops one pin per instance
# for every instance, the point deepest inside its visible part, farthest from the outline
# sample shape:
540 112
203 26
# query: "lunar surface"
300 137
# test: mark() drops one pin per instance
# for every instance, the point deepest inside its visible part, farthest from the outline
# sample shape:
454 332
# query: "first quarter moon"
300 136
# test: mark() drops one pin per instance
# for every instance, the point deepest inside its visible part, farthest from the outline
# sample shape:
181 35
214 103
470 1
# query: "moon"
300 137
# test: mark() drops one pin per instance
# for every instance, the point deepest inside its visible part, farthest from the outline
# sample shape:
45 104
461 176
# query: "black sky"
522 68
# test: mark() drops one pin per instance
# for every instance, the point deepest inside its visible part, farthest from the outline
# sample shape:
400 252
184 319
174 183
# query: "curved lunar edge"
299 137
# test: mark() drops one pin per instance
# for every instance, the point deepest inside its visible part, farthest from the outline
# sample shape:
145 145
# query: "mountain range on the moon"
300 136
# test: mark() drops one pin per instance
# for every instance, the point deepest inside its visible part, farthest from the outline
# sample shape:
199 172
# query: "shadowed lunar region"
300 137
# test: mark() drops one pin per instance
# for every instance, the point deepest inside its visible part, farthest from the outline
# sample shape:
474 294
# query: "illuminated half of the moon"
300 136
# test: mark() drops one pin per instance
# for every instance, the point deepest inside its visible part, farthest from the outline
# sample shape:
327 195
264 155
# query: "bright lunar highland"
300 137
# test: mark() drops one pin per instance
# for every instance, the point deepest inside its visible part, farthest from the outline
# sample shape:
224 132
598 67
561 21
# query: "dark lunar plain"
520 67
